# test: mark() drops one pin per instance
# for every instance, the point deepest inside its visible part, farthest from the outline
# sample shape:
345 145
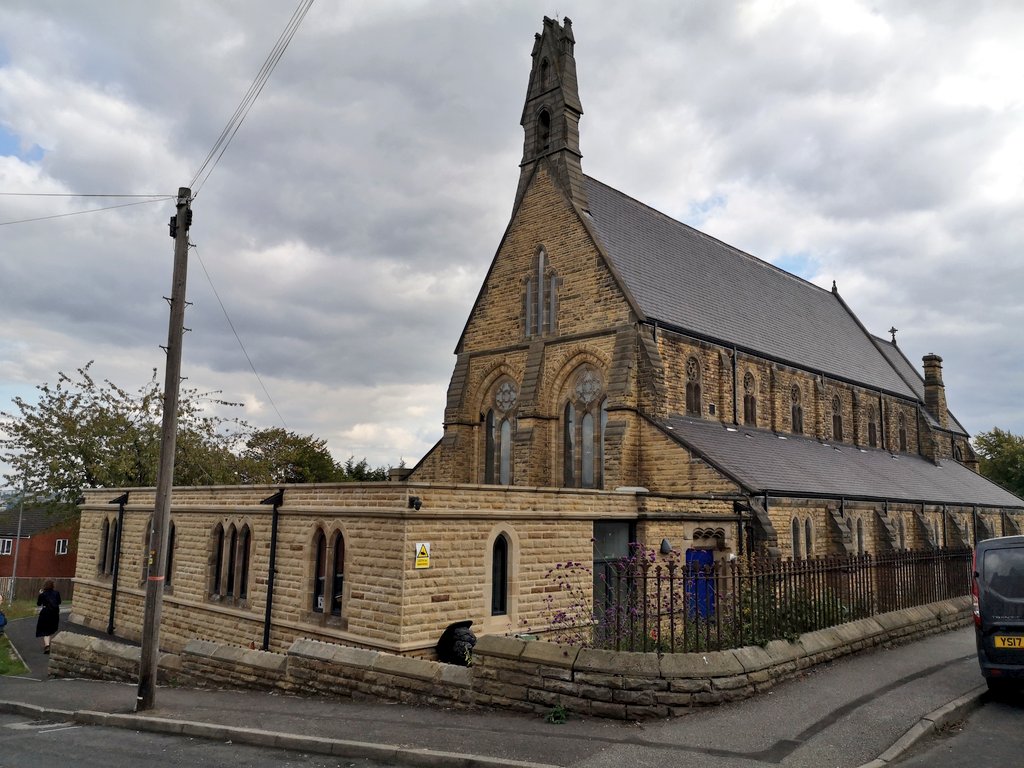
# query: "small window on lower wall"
499 576
328 585
62 547
230 574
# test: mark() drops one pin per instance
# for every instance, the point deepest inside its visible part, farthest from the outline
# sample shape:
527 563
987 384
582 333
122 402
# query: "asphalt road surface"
25 743
992 735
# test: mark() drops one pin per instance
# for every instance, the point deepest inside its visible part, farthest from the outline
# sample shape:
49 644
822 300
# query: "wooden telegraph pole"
157 555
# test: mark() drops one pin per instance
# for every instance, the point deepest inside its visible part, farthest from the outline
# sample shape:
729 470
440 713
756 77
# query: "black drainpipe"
945 539
277 500
974 524
120 501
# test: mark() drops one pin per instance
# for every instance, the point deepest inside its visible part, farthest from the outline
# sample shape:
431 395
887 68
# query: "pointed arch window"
338 571
693 387
837 418
901 425
319 576
569 444
499 576
902 533
872 427
808 537
540 302
860 536
499 425
108 547
749 400
797 411
797 552
543 131
230 576
584 427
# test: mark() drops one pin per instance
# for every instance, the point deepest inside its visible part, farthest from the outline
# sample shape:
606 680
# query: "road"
991 735
25 742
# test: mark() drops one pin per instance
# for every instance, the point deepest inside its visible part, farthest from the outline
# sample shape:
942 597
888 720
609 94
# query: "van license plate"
1009 641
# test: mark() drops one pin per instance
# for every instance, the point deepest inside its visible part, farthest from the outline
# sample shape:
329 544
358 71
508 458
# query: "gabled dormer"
552 112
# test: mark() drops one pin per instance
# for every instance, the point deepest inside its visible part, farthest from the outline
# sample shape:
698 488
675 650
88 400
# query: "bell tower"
552 112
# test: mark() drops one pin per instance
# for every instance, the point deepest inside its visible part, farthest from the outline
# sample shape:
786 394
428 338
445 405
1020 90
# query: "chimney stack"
935 390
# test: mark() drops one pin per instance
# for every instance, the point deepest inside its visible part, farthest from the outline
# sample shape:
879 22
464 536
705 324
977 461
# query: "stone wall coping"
550 654
311 649
265 660
700 665
783 651
199 647
754 658
629 664
406 666
819 641
500 646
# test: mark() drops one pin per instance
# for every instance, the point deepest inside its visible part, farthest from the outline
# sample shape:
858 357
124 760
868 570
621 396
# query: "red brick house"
46 548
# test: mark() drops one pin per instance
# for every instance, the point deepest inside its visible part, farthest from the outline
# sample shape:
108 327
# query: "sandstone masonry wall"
510 673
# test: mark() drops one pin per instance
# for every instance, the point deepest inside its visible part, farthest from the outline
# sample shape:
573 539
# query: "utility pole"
157 555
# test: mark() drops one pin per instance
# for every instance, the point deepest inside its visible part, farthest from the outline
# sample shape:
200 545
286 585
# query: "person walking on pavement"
49 613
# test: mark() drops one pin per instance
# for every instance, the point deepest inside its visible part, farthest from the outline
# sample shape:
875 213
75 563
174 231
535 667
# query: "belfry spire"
552 112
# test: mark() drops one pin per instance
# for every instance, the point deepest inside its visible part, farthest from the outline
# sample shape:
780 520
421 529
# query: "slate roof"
914 379
763 462
686 279
34 520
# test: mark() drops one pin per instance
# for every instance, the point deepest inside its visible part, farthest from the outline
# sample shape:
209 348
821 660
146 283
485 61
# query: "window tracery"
584 422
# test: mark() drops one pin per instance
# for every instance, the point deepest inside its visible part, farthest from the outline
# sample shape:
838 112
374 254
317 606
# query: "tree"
85 434
353 471
278 456
1001 456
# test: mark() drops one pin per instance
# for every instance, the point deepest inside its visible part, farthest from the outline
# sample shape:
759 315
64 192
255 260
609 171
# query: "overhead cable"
242 110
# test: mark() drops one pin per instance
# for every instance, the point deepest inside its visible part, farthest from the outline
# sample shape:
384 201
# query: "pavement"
863 711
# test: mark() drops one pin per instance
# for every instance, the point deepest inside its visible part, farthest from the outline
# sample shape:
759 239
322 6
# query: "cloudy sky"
348 226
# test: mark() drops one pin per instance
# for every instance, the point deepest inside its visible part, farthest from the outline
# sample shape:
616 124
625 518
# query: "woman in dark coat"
49 614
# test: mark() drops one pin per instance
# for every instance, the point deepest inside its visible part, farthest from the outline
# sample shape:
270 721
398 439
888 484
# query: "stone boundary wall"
509 673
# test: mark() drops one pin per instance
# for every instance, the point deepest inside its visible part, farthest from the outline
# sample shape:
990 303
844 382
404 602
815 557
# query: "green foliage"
10 664
557 715
278 456
353 471
1001 456
82 433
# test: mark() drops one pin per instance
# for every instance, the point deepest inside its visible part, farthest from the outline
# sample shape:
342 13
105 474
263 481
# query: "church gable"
548 279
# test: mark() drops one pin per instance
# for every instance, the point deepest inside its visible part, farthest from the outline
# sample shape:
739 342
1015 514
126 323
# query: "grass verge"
10 663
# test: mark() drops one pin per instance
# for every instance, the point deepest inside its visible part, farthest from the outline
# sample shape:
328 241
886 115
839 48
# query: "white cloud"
349 225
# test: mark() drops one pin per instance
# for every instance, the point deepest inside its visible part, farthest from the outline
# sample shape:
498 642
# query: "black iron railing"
643 605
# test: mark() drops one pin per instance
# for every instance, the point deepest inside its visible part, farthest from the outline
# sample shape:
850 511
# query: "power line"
238 338
246 104
89 210
161 195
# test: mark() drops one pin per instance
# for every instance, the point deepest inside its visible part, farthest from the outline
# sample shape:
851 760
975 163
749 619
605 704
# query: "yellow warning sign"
423 554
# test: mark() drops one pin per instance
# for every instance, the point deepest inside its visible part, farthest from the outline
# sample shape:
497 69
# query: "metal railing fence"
640 605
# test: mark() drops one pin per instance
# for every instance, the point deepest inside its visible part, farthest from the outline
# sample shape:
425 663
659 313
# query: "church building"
622 378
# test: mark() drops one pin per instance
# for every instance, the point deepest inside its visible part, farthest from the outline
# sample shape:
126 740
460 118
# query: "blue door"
700 582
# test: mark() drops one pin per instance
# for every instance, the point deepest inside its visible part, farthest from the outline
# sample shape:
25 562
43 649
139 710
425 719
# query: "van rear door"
1001 603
